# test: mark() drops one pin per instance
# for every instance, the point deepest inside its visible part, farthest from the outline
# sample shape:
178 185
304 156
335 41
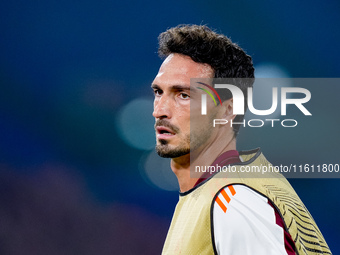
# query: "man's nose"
162 107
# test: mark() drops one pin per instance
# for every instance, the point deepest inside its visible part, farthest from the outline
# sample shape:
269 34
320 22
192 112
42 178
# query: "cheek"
183 118
182 111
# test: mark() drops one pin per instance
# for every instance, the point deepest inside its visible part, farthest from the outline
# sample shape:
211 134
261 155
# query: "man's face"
172 104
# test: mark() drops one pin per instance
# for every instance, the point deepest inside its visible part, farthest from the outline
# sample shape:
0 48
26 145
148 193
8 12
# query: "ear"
228 109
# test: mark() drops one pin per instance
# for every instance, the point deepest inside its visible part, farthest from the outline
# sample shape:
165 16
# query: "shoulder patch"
226 197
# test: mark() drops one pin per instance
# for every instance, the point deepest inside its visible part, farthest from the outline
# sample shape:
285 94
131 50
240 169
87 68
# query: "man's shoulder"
239 196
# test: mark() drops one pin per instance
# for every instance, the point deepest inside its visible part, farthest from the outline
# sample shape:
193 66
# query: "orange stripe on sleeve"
225 195
232 190
220 203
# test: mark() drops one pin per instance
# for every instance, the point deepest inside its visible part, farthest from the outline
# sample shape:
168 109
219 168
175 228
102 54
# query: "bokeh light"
270 70
158 172
265 74
135 124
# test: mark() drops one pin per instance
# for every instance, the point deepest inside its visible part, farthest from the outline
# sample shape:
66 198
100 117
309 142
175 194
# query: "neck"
201 157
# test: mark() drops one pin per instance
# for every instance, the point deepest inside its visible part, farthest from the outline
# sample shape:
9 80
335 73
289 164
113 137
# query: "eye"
157 92
184 96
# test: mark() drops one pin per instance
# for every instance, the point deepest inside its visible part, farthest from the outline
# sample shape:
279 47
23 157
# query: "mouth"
164 132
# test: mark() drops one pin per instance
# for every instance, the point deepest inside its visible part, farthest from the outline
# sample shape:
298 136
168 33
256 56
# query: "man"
217 214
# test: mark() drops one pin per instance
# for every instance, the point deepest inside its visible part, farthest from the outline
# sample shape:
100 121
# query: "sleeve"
244 223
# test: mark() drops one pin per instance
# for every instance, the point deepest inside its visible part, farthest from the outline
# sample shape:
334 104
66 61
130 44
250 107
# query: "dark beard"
164 151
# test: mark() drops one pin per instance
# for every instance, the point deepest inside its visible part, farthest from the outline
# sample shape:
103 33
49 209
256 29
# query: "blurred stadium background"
78 174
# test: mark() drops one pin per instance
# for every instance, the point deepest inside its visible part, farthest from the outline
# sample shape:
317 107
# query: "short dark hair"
203 45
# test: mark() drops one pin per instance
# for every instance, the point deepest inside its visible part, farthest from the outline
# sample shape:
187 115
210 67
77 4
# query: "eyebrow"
154 86
176 87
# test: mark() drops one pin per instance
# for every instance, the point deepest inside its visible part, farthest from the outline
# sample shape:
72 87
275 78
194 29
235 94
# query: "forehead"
178 69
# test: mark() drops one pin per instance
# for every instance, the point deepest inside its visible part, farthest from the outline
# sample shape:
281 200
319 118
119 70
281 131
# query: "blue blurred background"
78 174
